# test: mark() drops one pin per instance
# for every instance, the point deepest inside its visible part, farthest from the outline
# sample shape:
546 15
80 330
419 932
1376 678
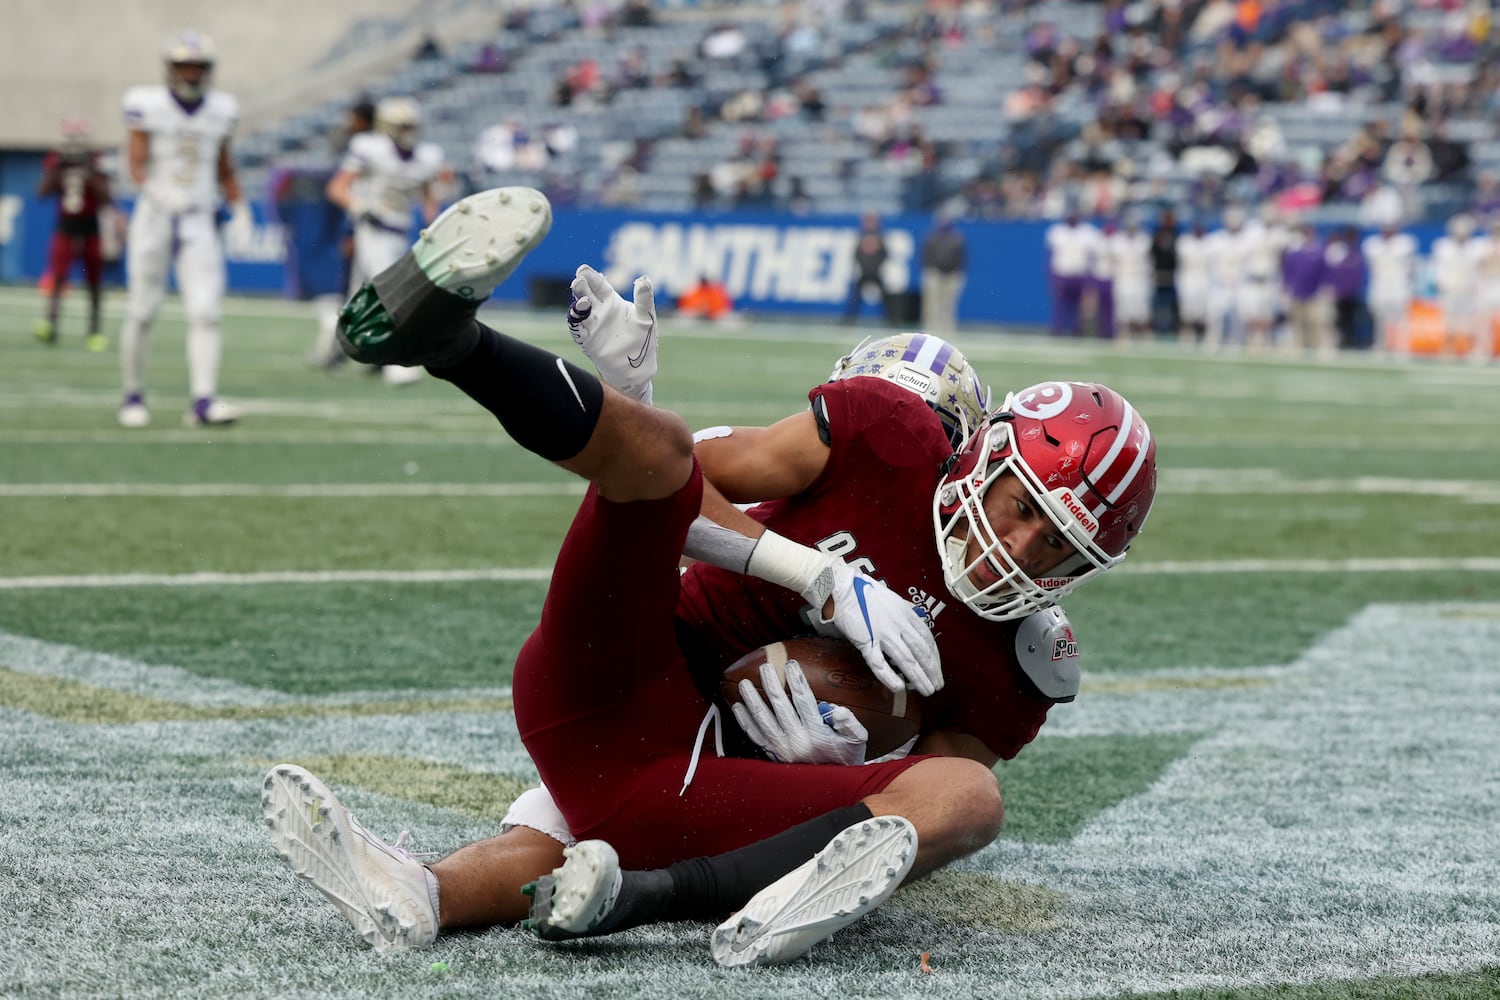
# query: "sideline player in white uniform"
1485 341
1455 272
178 155
1226 269
1259 251
1192 283
1130 249
1391 257
384 173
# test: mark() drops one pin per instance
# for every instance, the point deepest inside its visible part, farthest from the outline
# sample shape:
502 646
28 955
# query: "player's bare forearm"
719 510
228 180
751 464
137 155
951 743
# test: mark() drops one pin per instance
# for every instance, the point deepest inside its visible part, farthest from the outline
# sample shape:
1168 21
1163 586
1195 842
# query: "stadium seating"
980 60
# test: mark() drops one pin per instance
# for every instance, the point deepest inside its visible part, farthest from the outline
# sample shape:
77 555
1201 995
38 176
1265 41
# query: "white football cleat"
574 900
855 873
380 889
213 413
619 337
420 310
133 413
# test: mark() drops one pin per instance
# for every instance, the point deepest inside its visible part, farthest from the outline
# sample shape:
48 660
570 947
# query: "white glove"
889 631
619 337
239 231
798 729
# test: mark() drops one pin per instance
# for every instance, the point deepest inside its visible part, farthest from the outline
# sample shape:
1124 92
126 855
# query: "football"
838 675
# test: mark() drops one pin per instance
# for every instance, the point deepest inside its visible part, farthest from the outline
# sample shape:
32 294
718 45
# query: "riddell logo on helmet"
1087 521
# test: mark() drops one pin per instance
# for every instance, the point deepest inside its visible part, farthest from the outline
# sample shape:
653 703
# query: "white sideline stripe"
290 576
41 658
1481 564
1473 564
316 490
1182 482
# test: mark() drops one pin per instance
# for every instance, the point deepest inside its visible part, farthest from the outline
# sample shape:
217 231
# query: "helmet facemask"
188 52
400 118
959 515
1098 435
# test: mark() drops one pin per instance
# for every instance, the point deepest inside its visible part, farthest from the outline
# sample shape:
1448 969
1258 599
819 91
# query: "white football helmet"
928 366
191 49
1088 462
399 118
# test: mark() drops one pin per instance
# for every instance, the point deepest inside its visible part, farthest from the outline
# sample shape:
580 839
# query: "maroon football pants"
609 713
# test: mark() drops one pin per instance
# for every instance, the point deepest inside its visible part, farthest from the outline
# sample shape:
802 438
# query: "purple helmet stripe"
941 361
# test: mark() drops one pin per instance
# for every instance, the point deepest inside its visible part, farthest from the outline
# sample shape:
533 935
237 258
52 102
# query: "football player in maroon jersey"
608 689
71 173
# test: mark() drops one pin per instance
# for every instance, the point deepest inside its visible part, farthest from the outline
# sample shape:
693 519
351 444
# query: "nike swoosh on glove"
619 337
889 631
791 725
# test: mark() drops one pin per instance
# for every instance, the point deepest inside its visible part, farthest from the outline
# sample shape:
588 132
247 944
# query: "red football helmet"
1088 461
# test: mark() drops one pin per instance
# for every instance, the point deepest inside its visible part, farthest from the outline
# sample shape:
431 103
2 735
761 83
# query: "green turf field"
1282 778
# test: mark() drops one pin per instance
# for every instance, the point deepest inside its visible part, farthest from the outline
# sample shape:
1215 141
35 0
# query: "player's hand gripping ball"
838 675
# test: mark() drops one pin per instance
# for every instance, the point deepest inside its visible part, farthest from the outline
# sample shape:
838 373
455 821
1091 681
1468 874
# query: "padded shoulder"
1047 654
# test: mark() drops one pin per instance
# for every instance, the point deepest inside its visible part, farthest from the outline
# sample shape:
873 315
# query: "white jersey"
1259 251
388 182
1224 259
1455 266
1131 254
1072 249
182 170
1192 259
1391 261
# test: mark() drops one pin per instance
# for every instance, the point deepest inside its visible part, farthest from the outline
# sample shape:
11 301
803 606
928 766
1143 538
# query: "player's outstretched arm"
619 337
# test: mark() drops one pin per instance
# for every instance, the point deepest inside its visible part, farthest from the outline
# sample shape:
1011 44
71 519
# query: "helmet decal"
928 366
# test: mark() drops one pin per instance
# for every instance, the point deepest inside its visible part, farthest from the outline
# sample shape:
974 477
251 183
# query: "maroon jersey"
78 184
886 449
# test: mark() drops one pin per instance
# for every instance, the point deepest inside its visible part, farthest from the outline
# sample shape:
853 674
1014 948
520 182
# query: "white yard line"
300 490
1473 564
541 574
1181 482
495 574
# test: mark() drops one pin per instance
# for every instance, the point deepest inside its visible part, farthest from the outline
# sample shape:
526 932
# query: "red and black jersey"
872 505
78 186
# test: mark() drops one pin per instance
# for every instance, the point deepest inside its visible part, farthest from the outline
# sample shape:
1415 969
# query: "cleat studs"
426 235
503 197
464 208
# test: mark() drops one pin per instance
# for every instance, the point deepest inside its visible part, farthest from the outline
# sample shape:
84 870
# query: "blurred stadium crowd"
1356 112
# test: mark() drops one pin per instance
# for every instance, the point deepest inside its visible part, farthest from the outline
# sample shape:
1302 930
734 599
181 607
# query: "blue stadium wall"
771 263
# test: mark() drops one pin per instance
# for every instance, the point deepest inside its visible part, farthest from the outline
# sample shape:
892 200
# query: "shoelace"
711 718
